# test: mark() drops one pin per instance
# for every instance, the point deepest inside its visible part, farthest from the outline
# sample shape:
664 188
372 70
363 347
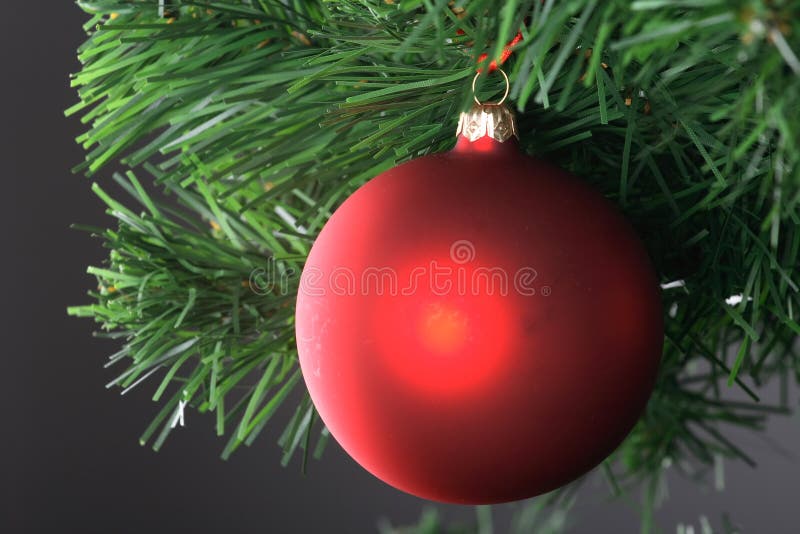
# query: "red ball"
478 326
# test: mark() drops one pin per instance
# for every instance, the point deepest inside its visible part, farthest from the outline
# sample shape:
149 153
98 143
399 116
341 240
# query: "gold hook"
505 95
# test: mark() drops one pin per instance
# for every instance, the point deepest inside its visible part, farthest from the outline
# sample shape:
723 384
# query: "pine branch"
262 116
213 298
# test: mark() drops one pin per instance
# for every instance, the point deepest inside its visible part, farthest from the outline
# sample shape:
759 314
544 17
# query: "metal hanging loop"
505 95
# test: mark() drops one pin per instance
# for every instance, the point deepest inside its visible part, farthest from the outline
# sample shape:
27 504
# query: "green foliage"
258 117
542 516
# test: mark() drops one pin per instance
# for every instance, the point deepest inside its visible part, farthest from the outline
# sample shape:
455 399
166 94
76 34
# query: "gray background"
70 457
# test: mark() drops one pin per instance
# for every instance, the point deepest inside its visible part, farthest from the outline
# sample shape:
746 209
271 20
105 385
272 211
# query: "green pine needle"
258 118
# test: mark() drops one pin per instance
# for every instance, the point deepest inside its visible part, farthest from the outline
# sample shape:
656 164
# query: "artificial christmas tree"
258 119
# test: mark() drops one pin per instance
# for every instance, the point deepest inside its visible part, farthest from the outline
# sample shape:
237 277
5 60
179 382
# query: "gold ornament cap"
492 120
487 120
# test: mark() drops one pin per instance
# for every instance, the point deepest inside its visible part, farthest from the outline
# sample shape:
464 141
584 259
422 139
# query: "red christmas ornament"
478 326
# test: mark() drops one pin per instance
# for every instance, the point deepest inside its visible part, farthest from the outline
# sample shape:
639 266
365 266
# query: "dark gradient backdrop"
69 456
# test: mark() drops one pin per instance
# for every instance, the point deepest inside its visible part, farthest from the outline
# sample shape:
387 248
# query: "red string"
507 50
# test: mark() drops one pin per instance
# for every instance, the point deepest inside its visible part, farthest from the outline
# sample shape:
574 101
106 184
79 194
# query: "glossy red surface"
478 326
